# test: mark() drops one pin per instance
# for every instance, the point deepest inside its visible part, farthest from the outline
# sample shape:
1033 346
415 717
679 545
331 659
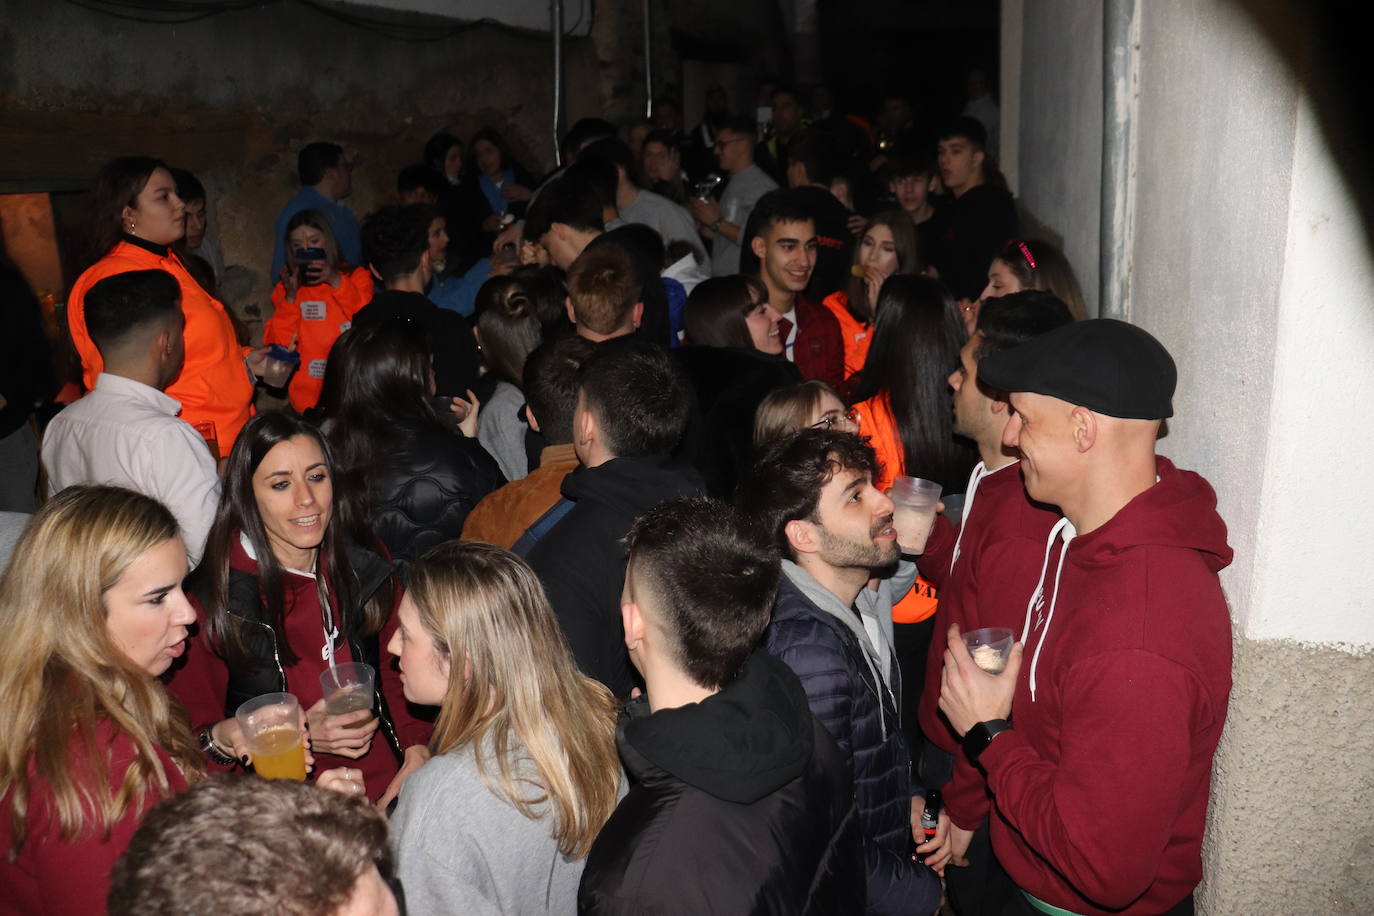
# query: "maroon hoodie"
1001 546
1101 785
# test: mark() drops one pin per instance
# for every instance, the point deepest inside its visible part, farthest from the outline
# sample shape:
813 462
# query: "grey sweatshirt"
462 849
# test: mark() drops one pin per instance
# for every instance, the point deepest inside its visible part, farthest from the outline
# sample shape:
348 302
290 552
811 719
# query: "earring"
131 227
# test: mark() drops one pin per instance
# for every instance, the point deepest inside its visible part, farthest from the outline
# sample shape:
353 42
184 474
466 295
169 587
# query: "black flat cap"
1108 366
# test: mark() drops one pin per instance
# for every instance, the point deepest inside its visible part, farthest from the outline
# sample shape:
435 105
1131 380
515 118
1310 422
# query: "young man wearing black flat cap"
1098 743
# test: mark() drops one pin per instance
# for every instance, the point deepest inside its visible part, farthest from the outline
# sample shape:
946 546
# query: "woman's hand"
343 780
466 411
516 193
874 278
415 757
287 276
347 735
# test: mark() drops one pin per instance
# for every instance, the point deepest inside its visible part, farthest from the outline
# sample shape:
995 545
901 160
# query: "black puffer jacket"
861 714
741 805
428 482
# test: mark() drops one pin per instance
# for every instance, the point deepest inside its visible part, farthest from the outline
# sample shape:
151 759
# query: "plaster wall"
1247 247
1059 153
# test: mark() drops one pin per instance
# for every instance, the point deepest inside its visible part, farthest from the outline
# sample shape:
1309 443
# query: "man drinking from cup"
1100 781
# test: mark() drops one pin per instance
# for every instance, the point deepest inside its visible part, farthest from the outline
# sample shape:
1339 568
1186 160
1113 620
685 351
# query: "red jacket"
60 877
202 684
1101 785
818 350
311 321
1001 548
214 387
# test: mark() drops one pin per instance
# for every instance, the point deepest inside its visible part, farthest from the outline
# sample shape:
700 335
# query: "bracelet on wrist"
212 748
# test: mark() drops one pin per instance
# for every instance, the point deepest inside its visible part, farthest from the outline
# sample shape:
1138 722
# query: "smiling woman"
285 591
92 609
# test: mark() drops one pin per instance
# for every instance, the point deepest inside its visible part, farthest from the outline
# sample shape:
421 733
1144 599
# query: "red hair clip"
1025 253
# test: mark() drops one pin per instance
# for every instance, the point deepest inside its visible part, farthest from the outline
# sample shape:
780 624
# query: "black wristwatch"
211 748
977 738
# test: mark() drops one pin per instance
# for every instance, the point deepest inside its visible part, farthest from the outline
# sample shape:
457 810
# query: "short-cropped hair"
419 175
790 473
1010 320
251 847
551 385
394 238
815 150
604 287
783 205
970 129
315 159
569 200
638 395
709 578
123 305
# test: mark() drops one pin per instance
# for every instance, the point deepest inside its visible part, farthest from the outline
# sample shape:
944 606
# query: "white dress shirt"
127 434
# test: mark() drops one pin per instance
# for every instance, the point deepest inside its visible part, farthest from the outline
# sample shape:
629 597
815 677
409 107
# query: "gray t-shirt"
501 431
666 218
460 848
743 191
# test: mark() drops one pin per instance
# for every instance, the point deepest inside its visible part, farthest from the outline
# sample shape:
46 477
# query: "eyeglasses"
850 416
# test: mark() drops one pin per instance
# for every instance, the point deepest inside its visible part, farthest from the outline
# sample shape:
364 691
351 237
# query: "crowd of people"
596 473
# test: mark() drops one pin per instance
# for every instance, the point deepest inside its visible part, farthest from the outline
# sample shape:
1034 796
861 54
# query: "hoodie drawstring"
980 470
1065 529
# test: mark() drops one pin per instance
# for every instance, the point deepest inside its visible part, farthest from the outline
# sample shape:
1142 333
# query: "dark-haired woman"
733 359
508 331
138 217
886 248
494 192
1023 264
903 407
288 586
416 479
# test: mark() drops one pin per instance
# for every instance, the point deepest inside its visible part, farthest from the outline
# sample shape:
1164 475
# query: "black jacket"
428 482
969 231
581 561
741 804
245 603
729 384
456 359
862 717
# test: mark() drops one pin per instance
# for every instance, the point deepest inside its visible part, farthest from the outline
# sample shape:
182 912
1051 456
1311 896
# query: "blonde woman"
525 770
92 611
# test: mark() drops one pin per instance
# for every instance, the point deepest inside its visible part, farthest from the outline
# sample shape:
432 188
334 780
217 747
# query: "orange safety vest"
214 387
857 334
312 321
877 424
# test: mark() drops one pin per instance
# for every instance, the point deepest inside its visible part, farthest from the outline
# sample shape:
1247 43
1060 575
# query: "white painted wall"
1316 518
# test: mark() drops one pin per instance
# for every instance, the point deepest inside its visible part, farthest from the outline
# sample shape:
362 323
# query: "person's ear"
758 246
587 429
1085 428
567 304
531 419
998 405
162 345
126 216
632 619
376 274
978 157
801 534
637 314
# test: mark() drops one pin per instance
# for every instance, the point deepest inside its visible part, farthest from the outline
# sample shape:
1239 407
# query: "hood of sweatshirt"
1178 512
631 485
752 738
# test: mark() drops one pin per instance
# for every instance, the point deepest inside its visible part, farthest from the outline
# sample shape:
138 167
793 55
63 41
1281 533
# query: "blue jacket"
845 663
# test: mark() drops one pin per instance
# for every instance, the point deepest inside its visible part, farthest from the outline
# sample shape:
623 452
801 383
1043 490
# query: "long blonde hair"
61 674
513 687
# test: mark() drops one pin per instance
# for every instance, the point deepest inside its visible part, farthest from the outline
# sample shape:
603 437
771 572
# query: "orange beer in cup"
271 726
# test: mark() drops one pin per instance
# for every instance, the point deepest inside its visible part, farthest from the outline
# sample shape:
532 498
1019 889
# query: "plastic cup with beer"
913 514
271 725
990 648
348 687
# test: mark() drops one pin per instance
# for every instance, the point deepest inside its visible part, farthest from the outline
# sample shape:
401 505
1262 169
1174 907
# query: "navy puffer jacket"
862 716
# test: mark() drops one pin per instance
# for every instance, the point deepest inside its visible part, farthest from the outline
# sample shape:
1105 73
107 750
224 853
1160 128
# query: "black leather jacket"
268 675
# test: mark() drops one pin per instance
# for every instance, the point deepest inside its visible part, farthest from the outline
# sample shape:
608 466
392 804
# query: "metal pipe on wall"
648 62
1120 80
556 26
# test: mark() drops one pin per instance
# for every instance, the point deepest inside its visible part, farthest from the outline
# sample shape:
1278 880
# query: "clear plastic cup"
990 648
271 725
913 515
348 687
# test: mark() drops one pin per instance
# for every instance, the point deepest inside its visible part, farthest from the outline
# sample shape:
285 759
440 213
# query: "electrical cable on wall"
181 12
